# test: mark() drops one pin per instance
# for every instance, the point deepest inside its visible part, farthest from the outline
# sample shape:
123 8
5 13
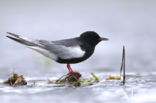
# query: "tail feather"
21 40
15 35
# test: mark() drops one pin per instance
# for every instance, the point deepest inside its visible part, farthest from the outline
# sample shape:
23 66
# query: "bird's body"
66 51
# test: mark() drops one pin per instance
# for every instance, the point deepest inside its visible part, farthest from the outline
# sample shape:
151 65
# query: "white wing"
59 51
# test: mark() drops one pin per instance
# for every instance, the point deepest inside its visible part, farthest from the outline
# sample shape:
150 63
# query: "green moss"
85 81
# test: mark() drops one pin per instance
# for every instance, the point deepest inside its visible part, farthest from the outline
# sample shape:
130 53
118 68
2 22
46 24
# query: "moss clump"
70 79
76 80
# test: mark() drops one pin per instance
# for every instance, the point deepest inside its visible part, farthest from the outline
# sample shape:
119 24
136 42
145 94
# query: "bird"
66 51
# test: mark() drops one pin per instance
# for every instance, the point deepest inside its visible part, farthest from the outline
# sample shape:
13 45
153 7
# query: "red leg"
70 70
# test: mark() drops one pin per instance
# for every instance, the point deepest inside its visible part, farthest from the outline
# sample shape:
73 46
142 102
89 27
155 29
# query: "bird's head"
91 38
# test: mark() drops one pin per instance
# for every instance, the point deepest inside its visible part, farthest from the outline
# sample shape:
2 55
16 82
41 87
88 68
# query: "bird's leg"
70 70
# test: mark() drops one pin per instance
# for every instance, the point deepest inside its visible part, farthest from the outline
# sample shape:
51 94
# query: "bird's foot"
71 71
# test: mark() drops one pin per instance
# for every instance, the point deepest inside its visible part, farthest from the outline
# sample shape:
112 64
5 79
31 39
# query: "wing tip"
13 38
8 32
12 34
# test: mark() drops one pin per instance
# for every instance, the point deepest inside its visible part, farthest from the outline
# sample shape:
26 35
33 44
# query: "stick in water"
123 66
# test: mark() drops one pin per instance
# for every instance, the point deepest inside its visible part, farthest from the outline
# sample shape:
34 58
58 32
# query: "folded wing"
64 49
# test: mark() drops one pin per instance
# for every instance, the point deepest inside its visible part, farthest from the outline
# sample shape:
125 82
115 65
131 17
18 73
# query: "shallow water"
138 89
124 22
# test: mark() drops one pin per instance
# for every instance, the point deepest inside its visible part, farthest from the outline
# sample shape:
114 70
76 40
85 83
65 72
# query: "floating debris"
96 78
50 81
70 79
15 80
114 77
75 80
86 81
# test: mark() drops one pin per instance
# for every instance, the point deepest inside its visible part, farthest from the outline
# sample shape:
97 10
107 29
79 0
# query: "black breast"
88 52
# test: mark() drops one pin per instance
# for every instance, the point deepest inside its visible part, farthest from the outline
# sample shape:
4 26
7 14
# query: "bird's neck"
89 50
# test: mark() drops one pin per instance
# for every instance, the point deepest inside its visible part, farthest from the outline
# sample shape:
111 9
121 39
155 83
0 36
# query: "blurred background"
125 22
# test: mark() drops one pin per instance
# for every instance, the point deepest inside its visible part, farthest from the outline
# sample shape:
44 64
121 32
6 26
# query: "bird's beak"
103 38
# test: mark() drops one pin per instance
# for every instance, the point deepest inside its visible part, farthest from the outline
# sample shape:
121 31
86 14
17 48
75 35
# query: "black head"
91 37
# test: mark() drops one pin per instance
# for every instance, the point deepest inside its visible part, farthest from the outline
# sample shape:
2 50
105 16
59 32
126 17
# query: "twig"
123 66
124 72
96 78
